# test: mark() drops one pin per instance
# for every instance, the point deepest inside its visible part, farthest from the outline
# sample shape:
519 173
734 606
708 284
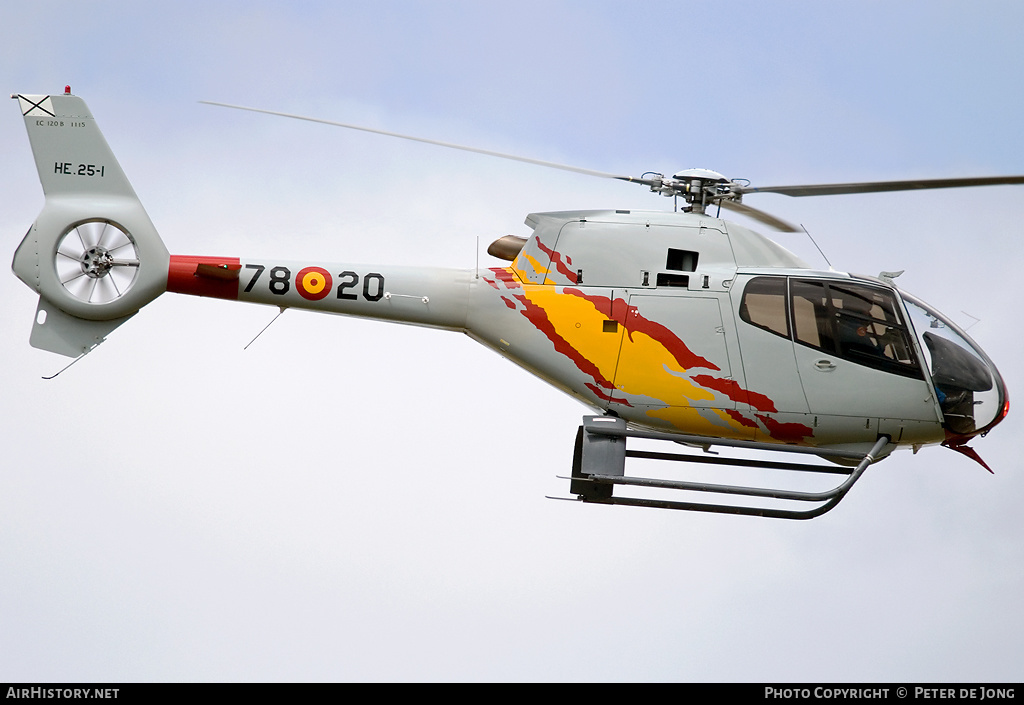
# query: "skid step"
599 466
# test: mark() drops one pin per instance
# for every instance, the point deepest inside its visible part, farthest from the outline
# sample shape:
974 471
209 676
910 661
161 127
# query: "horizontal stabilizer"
57 332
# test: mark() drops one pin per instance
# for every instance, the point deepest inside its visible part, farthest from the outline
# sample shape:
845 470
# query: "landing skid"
600 459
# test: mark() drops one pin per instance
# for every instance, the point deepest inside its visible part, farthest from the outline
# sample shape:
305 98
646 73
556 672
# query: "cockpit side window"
869 325
858 323
811 316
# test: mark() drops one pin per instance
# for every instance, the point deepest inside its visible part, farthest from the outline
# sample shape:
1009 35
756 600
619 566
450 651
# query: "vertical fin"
92 254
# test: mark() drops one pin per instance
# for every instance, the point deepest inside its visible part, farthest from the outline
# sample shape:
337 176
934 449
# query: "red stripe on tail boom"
204 276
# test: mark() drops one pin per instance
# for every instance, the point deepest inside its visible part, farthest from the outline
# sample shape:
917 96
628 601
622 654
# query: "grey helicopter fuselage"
675 322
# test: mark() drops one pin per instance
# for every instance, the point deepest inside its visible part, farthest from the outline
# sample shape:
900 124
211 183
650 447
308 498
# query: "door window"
858 323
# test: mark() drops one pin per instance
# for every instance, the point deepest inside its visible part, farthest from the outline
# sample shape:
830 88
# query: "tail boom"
432 297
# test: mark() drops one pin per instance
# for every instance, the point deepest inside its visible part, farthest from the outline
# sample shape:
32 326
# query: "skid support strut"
599 464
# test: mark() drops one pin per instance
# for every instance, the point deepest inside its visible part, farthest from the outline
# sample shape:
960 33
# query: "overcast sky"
349 500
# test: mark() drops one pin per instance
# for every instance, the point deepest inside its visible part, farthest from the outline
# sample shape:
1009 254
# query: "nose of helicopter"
970 390
984 421
958 441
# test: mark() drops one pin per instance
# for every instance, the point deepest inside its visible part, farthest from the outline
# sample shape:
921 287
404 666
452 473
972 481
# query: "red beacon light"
67 90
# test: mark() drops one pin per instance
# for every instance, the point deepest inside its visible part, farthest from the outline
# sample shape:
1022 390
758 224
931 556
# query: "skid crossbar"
600 457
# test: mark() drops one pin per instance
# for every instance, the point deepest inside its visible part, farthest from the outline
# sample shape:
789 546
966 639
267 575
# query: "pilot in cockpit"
856 327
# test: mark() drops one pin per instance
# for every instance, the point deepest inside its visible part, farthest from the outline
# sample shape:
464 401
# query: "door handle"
824 365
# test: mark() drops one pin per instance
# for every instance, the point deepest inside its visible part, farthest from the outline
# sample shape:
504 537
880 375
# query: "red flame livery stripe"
734 391
787 432
556 259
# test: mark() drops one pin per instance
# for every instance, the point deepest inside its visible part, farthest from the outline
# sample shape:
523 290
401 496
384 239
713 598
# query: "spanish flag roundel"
313 283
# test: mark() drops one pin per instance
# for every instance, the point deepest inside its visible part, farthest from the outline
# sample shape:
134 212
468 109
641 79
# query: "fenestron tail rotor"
699 188
96 261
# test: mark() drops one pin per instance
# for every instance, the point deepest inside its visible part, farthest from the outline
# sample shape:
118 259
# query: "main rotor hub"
701 174
698 187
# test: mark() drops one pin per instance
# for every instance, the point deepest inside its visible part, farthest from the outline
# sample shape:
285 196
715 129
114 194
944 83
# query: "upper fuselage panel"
639 249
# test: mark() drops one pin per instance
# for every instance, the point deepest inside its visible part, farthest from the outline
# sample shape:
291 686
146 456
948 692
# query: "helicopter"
672 326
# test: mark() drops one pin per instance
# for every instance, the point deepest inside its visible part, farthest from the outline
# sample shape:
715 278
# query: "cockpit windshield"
970 390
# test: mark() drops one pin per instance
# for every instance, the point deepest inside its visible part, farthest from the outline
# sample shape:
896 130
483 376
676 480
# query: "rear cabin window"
858 323
764 304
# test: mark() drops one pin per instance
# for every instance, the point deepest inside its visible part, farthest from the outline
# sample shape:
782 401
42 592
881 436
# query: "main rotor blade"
476 150
878 186
759 215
